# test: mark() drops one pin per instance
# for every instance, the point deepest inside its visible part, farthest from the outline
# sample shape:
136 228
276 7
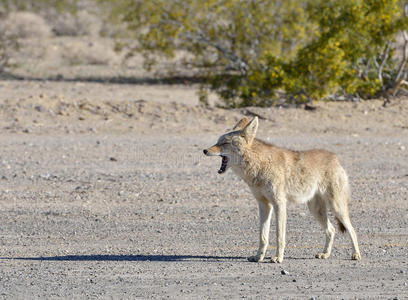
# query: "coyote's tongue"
223 165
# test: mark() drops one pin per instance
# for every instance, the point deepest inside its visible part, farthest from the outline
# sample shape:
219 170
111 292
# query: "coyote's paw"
322 255
256 258
356 256
277 260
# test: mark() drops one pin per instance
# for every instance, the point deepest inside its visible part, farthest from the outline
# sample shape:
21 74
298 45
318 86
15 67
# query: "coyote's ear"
249 131
241 124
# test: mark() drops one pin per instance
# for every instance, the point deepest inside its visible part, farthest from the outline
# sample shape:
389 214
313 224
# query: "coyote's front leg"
280 208
265 212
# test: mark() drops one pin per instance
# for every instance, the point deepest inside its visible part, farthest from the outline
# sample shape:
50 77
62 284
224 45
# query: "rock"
39 108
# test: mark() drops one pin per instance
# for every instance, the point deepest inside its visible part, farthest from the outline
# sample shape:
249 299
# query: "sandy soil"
105 193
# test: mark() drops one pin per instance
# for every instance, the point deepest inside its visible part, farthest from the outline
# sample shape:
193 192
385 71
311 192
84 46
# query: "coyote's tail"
341 226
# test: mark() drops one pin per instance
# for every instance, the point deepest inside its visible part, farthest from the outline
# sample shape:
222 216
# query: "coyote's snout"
215 150
277 176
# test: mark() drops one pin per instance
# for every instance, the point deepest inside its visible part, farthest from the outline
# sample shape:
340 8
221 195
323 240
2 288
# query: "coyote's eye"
235 142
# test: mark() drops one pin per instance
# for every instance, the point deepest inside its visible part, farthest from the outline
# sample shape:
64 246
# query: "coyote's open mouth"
224 164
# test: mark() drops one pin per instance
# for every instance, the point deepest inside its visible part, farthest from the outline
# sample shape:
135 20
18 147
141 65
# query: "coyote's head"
231 144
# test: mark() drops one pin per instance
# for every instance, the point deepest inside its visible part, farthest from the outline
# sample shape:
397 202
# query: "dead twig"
380 67
401 68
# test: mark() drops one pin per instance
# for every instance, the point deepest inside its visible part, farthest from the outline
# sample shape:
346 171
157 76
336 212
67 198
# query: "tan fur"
277 176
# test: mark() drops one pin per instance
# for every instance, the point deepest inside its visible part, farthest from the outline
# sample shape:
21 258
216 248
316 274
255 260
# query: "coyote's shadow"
109 257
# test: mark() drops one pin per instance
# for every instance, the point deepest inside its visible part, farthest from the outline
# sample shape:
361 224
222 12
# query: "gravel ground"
119 202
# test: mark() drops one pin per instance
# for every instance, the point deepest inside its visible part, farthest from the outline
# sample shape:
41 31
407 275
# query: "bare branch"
383 61
404 57
201 37
240 64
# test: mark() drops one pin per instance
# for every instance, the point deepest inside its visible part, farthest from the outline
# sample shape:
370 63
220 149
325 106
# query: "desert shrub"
220 34
251 50
66 17
37 5
26 25
8 44
80 24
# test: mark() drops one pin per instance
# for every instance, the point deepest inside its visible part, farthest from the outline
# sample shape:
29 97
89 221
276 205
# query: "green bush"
350 53
226 40
251 51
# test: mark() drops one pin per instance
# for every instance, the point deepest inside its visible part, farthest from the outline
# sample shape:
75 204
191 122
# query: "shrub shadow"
113 79
112 257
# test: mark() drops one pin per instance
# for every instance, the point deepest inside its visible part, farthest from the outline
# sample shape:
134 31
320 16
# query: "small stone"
112 158
284 272
39 108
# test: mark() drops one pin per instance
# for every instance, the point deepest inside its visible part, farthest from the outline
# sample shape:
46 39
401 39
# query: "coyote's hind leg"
318 208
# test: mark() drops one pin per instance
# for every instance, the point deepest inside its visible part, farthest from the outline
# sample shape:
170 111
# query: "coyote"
277 176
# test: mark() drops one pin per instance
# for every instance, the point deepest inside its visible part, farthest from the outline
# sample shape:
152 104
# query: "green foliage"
217 32
349 54
221 36
254 52
250 50
353 37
